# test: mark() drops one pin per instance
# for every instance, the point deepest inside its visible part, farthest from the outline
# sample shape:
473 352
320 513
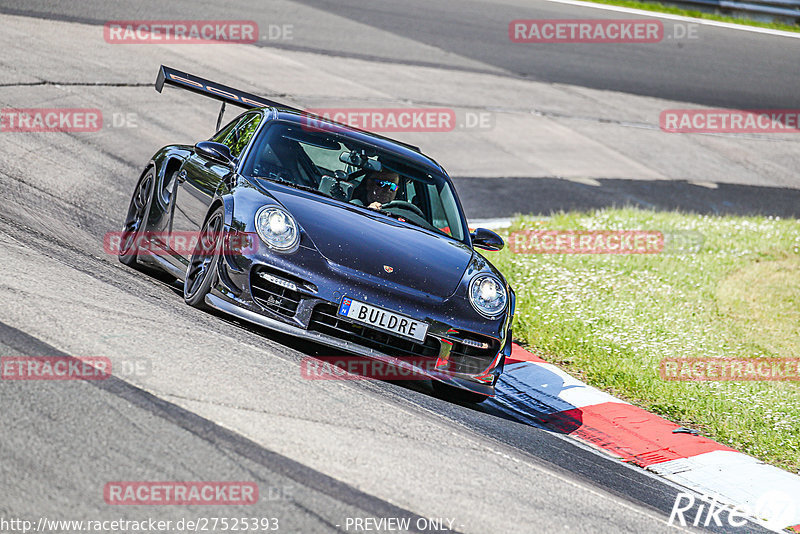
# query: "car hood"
373 245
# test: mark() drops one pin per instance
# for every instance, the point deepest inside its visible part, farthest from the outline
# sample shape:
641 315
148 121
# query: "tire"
136 220
455 394
202 269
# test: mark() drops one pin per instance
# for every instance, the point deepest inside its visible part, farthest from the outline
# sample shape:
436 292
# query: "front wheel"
201 272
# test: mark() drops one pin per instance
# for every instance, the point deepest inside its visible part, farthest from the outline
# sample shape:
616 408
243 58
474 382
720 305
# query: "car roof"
406 151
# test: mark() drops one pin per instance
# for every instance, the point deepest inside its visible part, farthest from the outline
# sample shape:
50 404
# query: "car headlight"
487 295
277 228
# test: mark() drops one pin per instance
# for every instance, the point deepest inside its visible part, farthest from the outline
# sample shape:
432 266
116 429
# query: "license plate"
382 319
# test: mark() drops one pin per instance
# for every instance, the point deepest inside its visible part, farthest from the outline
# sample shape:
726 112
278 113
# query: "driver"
379 188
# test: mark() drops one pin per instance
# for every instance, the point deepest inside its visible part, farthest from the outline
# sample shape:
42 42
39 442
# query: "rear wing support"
221 114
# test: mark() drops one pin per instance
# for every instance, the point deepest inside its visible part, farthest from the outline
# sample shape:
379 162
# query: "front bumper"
461 382
449 355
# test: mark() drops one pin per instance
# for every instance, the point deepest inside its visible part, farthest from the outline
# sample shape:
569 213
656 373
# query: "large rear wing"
217 91
229 95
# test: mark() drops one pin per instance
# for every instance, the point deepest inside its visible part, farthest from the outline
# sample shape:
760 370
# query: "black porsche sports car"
326 232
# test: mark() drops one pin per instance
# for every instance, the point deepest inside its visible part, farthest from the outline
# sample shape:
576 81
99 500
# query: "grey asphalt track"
222 400
63 441
719 68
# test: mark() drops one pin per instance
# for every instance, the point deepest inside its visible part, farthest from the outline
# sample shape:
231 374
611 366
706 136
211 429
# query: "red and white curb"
542 393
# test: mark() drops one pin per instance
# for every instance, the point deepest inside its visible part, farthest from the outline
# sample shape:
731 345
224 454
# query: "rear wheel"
455 394
201 272
132 232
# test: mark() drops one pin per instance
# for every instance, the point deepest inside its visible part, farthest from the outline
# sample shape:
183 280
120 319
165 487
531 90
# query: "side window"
238 133
437 209
244 132
221 135
443 208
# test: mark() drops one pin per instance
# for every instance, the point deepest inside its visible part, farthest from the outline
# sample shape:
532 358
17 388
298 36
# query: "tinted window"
238 133
287 152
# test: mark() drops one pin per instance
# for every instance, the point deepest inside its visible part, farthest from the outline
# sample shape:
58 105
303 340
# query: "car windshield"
334 165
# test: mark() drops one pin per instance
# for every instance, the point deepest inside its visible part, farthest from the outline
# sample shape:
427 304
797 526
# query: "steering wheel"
403 205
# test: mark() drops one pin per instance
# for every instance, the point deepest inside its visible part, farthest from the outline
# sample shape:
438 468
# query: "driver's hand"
375 206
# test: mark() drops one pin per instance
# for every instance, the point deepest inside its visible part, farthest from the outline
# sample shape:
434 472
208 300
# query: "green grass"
673 10
612 318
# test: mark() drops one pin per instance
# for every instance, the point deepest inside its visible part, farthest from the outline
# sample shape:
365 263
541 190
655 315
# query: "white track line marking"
681 18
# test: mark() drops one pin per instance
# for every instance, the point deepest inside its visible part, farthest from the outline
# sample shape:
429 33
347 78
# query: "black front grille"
324 319
472 360
272 296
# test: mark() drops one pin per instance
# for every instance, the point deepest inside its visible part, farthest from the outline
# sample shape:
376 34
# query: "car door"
199 179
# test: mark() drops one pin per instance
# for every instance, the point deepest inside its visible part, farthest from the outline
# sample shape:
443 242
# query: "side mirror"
487 240
214 151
